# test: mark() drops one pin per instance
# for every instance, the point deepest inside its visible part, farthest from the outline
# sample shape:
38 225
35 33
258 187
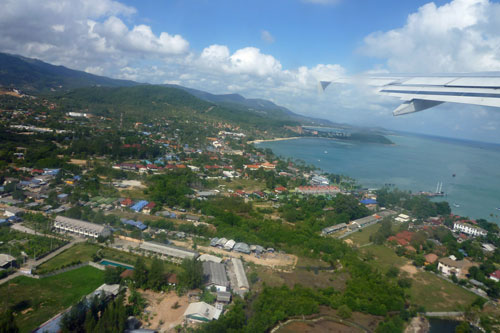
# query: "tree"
463 327
112 275
156 279
344 312
7 323
192 275
140 273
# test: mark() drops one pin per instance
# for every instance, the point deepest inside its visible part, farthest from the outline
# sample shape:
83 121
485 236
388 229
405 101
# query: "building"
448 266
215 275
495 276
318 190
402 218
242 285
79 227
229 245
430 258
7 261
201 312
469 229
223 297
138 206
13 211
242 247
333 228
167 251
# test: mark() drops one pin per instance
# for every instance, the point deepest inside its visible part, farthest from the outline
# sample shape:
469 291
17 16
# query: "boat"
326 152
498 208
457 205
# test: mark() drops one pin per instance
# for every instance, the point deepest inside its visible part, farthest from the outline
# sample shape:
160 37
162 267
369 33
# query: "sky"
276 50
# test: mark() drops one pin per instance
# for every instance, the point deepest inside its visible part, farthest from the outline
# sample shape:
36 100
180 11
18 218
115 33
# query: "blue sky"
274 49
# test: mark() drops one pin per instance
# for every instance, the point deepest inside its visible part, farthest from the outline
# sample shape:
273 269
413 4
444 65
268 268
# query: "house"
215 275
148 208
127 274
139 205
13 211
448 266
126 202
495 276
7 261
172 280
201 312
223 297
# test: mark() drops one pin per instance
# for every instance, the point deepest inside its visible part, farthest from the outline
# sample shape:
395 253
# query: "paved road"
34 263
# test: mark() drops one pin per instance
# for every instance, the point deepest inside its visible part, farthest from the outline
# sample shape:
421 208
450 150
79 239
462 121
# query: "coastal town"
200 197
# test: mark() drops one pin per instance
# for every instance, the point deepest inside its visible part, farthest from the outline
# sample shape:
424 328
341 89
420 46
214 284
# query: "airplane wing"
419 93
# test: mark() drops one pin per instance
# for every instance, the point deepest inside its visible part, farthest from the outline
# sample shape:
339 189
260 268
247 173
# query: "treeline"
96 315
419 206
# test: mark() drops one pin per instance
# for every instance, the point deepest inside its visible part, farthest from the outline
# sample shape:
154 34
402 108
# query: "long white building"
79 227
469 229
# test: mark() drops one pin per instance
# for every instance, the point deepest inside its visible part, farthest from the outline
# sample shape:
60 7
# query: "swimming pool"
115 264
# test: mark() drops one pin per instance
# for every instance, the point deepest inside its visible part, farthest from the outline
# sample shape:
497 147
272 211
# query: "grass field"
35 301
363 237
428 290
436 294
84 252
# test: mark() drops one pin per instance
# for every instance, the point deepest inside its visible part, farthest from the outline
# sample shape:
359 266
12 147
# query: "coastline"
275 139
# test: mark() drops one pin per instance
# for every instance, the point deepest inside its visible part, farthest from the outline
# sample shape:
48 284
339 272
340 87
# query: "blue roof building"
138 206
138 224
368 202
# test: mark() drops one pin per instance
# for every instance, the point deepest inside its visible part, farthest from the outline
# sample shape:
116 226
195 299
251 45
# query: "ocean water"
415 163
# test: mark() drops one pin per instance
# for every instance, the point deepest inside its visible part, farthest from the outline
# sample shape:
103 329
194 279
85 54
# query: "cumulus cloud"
461 36
266 36
83 34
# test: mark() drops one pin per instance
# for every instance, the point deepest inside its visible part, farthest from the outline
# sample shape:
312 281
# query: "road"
34 263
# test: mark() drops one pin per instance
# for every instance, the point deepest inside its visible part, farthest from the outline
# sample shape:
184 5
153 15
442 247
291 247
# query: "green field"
436 294
428 290
363 237
35 301
84 252
81 251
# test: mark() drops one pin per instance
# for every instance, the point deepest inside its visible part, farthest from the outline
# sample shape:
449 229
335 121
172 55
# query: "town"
185 218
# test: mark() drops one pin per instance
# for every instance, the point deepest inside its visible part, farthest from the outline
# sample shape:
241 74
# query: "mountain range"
34 76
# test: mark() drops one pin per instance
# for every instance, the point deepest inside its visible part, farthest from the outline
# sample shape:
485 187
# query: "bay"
415 163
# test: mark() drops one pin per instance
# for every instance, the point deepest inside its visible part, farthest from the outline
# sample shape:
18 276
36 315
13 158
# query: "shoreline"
275 139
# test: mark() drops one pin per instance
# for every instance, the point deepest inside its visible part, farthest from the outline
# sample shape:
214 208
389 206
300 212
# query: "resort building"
317 190
448 266
469 229
79 227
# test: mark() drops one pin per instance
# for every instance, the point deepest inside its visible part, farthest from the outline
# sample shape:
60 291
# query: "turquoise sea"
415 163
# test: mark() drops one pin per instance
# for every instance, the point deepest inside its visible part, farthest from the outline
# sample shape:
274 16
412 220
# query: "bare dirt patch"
78 162
280 261
163 317
410 269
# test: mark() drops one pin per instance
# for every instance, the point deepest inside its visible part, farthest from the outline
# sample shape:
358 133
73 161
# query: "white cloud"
461 36
266 36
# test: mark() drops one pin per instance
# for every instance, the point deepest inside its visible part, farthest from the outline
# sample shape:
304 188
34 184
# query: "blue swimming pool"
115 264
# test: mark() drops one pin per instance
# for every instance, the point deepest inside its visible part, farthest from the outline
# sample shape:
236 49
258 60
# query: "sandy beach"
275 139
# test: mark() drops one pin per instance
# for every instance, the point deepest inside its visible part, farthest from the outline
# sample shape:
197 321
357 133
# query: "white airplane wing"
423 92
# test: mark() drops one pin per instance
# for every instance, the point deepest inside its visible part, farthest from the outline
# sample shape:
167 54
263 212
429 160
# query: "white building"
469 229
201 312
448 266
82 228
167 250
